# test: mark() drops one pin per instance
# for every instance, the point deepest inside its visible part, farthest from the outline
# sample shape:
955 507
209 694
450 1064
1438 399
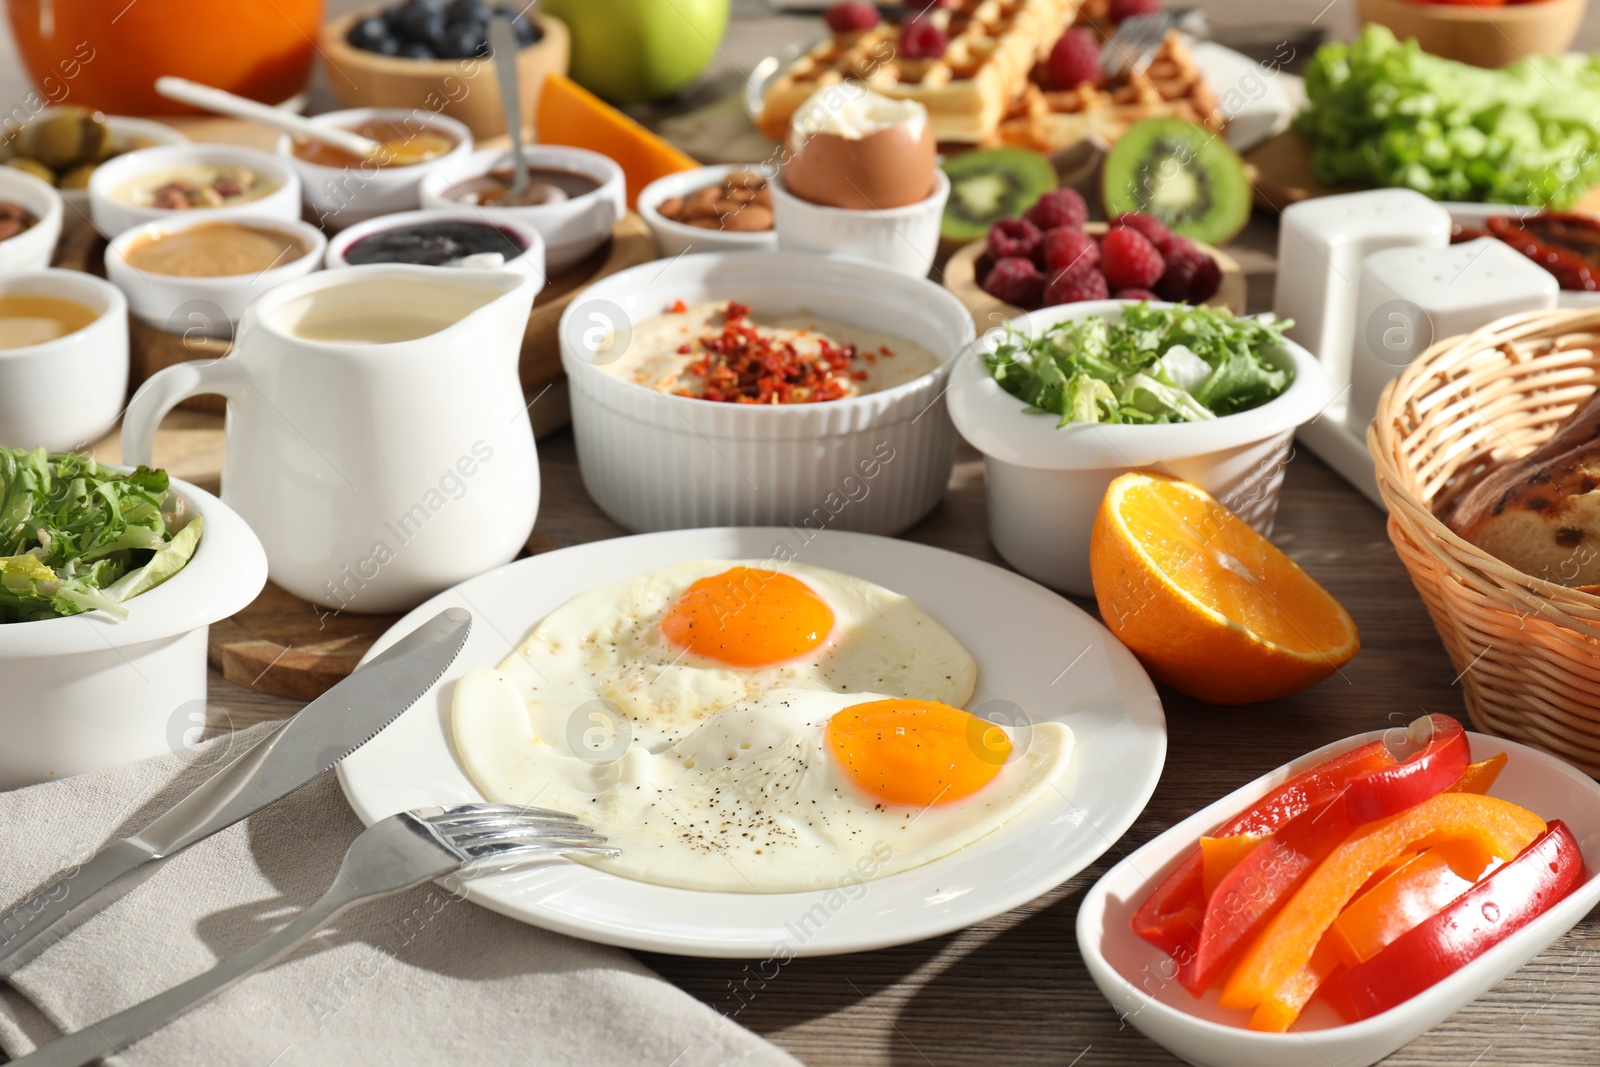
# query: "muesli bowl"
1045 482
86 691
874 463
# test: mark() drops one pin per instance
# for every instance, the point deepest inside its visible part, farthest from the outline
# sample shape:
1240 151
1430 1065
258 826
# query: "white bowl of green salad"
109 580
1061 401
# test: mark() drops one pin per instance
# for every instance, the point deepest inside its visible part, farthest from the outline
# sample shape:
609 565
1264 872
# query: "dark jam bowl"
435 238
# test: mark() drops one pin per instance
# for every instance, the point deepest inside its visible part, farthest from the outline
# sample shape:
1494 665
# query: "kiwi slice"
1181 173
989 185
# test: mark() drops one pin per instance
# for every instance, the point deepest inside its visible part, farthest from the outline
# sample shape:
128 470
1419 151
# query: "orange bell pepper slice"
1418 889
1268 977
1219 855
1480 777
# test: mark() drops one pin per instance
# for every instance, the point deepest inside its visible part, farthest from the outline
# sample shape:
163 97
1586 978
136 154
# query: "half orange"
1208 605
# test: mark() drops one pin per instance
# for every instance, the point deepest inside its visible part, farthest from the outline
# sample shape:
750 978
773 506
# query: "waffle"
994 44
1171 86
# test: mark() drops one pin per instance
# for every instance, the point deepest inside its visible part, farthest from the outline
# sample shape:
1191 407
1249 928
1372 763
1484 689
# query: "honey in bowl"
32 320
546 185
404 144
215 249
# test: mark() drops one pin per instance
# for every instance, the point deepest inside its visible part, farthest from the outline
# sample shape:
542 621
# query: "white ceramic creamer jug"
377 439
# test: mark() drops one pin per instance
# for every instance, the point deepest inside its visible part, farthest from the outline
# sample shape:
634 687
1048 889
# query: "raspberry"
1074 61
1072 286
922 40
1064 248
1122 9
1154 230
1134 294
1016 281
1013 238
1191 276
1129 260
851 17
1058 207
1206 281
923 5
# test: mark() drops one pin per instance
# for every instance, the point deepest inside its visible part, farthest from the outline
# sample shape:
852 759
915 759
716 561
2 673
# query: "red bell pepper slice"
1409 896
1442 761
1171 915
1538 878
1255 890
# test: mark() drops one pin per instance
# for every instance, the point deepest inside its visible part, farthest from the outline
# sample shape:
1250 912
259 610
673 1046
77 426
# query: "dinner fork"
396 853
1137 39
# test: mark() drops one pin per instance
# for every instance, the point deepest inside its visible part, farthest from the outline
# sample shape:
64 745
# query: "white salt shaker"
1409 298
1321 244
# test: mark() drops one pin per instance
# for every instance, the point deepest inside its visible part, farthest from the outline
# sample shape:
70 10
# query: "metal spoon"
503 43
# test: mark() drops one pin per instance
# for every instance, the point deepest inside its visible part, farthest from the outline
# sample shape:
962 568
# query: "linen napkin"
420 977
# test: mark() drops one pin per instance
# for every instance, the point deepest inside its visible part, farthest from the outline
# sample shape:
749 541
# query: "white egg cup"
66 393
572 228
342 196
112 216
211 305
903 238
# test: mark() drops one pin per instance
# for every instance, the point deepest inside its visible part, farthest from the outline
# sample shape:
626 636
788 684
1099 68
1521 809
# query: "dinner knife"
323 733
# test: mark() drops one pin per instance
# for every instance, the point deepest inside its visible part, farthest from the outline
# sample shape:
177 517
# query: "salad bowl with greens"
1061 401
109 581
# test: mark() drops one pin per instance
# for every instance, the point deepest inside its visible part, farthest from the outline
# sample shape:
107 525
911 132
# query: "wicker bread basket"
1528 650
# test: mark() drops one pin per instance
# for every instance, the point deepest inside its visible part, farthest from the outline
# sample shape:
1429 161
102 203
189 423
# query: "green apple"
632 50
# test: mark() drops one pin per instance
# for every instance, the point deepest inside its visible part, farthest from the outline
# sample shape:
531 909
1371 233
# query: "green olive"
77 177
66 137
33 167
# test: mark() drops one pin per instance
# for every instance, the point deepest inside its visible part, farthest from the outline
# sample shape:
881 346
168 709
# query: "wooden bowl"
464 89
1483 36
961 278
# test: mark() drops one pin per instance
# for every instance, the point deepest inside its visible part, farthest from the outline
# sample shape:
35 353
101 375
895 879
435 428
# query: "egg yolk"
917 751
746 617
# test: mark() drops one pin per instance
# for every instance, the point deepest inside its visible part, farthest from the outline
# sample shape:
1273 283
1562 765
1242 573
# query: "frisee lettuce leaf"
76 536
1158 365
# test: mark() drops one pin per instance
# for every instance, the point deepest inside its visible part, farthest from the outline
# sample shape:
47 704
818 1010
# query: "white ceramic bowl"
1045 483
875 463
675 238
32 248
212 305
1137 978
572 228
66 393
342 196
531 262
112 216
87 692
905 238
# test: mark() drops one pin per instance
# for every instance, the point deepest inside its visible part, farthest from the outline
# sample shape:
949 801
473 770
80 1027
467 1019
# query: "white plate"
1035 651
1257 102
1137 978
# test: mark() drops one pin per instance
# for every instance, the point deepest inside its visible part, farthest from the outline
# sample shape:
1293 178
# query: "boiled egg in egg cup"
796 790
860 178
657 654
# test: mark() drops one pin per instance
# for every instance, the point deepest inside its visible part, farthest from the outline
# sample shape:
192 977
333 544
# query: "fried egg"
647 659
794 790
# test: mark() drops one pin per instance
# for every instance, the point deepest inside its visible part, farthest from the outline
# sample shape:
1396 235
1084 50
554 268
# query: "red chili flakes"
678 308
741 366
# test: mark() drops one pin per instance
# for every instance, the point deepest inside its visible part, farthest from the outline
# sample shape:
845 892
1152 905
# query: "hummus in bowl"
869 445
726 352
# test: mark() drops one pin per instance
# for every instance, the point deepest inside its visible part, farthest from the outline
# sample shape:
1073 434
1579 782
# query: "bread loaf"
1541 513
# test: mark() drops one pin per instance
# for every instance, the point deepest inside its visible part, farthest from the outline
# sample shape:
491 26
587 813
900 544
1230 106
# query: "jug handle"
164 390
